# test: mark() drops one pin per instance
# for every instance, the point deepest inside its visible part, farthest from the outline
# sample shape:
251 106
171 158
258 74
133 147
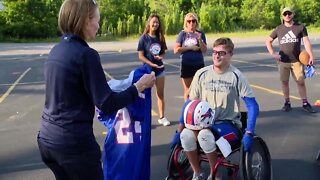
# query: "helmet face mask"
198 115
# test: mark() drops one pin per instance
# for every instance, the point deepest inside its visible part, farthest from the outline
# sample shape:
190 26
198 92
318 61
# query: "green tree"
308 12
259 13
131 25
30 18
113 10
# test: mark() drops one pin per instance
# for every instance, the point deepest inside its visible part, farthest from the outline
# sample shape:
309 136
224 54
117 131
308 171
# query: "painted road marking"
26 83
27 165
176 66
6 94
258 64
108 75
273 91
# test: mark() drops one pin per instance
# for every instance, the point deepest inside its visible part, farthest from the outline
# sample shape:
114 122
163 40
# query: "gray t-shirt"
290 41
221 91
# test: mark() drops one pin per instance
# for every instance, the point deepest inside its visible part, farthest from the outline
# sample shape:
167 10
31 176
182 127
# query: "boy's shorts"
295 68
229 131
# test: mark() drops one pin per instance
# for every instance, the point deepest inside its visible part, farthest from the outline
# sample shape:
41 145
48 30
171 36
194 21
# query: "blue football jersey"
127 146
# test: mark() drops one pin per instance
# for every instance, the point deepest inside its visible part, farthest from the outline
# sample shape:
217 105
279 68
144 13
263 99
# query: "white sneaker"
164 121
217 178
197 177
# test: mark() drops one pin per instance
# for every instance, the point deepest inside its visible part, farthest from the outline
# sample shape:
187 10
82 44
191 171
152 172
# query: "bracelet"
135 85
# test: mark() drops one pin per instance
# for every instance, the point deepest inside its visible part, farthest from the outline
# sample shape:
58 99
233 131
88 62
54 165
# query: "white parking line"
176 66
257 64
26 83
28 165
108 75
273 91
6 94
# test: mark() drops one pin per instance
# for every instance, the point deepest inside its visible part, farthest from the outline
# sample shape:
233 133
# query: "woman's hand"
156 66
158 57
146 81
195 48
198 34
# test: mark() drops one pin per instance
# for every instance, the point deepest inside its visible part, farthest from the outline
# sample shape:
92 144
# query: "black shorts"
189 70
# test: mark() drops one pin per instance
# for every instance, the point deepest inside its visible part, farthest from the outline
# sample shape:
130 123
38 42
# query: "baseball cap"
287 9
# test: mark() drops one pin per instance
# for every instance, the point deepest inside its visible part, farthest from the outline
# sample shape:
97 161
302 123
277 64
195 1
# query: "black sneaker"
286 107
307 107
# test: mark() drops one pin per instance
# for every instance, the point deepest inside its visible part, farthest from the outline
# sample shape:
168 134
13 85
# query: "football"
304 57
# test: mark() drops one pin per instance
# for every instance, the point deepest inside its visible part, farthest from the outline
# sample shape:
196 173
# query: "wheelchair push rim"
256 165
178 162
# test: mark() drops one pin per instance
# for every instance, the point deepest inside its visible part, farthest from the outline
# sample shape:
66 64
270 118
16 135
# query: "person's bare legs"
194 161
160 95
285 89
186 84
193 155
212 158
302 89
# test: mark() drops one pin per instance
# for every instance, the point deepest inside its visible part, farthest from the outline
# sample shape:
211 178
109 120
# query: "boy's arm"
253 112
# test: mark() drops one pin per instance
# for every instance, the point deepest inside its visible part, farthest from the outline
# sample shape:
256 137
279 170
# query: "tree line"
38 18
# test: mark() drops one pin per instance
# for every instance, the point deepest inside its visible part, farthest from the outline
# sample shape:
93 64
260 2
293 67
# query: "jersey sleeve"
96 86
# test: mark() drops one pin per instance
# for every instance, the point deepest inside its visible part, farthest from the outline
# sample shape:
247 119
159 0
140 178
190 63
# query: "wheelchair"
255 165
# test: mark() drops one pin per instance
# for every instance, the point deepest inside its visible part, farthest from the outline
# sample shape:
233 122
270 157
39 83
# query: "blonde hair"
74 14
187 16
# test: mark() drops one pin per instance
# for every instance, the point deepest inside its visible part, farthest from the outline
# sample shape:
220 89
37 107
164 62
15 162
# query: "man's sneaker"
307 107
209 177
164 121
286 107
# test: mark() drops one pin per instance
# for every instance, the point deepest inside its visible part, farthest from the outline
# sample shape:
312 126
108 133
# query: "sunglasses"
94 2
193 21
220 53
287 13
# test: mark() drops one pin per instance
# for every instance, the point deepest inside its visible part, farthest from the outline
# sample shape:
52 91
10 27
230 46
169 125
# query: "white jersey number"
122 127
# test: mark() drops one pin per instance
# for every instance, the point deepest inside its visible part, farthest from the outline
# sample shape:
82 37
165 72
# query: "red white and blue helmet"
198 115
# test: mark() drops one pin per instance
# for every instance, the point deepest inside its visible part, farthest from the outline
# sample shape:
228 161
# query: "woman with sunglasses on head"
151 50
191 44
75 84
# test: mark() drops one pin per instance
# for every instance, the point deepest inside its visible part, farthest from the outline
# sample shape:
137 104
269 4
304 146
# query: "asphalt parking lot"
292 138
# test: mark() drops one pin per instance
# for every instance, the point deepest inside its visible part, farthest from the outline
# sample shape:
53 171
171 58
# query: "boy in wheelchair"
221 85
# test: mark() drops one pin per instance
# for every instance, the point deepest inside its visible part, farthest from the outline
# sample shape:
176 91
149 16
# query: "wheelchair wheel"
318 158
177 163
256 165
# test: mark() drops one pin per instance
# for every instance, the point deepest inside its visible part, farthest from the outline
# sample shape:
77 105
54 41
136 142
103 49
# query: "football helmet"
198 115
